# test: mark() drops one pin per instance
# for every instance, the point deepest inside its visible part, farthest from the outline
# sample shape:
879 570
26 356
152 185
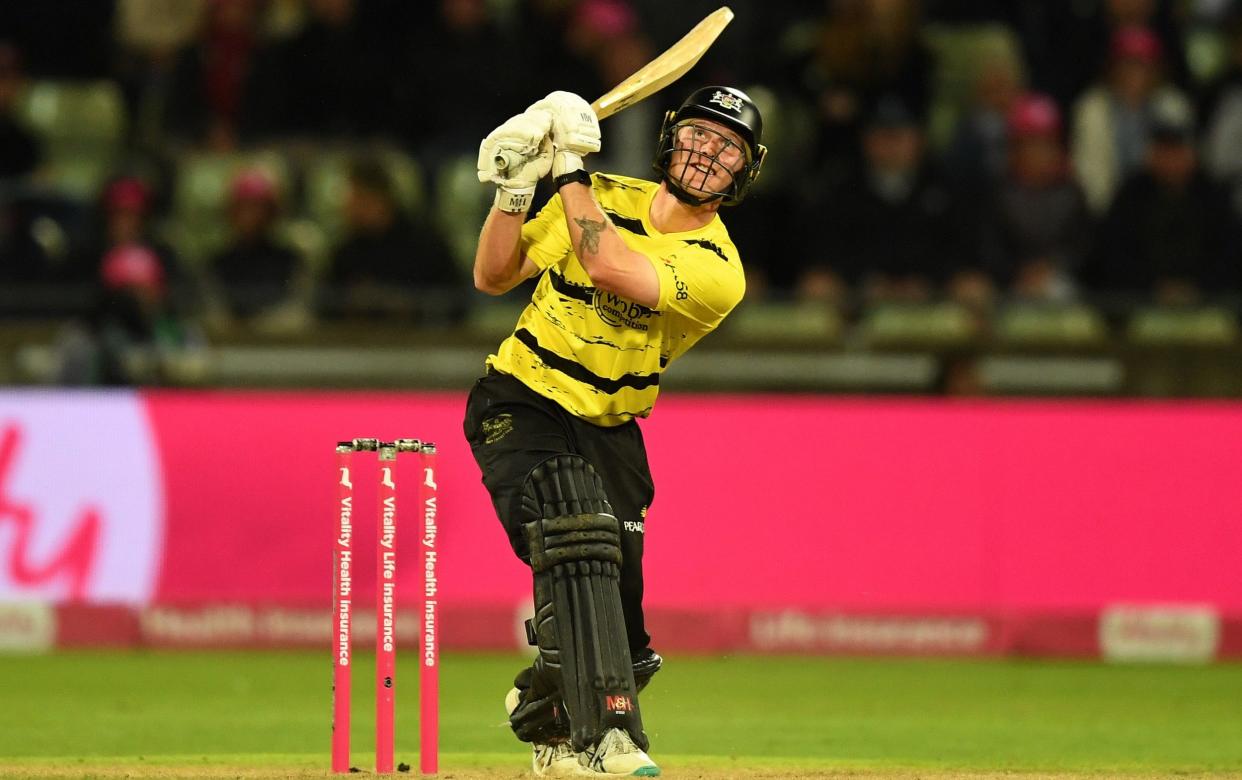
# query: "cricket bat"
652 77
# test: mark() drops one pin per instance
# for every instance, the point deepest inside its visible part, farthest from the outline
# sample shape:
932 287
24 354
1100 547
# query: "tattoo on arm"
591 229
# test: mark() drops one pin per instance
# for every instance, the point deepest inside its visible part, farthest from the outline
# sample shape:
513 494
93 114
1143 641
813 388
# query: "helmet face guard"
707 151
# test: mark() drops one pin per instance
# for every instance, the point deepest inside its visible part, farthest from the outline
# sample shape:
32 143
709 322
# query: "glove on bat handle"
506 159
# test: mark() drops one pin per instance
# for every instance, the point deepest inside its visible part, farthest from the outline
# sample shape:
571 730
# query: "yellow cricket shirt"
596 354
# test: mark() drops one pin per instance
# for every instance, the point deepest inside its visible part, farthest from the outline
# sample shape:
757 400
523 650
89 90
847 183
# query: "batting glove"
515 156
575 130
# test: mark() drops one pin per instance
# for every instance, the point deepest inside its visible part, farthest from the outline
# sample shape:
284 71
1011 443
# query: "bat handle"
506 159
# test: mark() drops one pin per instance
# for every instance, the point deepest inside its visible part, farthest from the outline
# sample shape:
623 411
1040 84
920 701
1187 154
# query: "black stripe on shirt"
581 292
635 226
575 370
615 182
708 246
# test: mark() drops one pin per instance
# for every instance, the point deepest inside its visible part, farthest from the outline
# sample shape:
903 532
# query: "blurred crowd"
172 169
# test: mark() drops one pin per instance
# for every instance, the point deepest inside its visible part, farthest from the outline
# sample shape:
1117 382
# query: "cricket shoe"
550 759
557 759
616 754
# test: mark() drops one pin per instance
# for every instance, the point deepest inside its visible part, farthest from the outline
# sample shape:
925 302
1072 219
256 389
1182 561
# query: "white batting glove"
515 156
575 130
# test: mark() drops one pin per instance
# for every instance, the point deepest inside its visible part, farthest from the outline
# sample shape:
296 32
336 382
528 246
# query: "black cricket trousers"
512 429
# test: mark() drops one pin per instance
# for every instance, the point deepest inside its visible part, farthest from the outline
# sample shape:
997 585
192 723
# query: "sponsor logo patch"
619 704
618 312
1172 633
496 428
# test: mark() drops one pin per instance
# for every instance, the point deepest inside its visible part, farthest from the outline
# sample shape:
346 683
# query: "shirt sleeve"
699 284
545 239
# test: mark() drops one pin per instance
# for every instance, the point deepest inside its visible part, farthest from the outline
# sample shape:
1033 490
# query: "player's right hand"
575 129
515 156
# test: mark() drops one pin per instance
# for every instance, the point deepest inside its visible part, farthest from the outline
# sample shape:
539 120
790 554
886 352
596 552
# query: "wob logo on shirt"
620 313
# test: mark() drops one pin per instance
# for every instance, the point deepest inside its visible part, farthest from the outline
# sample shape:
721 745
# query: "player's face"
706 156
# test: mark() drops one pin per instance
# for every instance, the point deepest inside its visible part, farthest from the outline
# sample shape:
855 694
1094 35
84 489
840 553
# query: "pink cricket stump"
429 669
385 600
342 588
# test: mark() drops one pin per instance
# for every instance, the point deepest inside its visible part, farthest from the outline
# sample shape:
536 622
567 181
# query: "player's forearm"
497 260
612 266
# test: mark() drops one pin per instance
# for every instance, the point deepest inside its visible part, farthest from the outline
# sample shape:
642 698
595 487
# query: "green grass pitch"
151 714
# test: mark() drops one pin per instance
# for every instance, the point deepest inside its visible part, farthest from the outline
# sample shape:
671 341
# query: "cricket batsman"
632 274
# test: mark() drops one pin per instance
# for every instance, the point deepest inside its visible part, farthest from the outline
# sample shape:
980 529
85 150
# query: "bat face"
667 68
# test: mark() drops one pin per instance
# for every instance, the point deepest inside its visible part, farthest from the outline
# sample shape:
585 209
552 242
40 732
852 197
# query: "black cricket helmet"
731 108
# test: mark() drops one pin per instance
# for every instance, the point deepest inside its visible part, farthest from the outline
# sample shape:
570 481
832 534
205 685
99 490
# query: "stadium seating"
198 226
793 324
1207 326
492 320
960 52
1050 326
82 127
915 326
461 207
326 183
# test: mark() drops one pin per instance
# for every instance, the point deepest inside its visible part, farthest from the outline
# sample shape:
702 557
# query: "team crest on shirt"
496 428
726 100
620 313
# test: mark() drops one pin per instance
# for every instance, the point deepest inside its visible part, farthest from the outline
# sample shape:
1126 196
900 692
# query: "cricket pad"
575 553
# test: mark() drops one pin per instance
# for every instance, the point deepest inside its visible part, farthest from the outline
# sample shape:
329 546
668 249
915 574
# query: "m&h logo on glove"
725 100
619 704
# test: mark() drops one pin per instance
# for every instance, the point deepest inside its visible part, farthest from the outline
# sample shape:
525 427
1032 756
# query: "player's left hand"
575 130
524 145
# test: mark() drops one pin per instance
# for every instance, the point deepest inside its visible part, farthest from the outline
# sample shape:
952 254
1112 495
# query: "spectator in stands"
336 79
135 335
36 223
893 227
454 85
864 49
256 279
207 93
1037 228
1164 18
124 216
37 275
20 152
151 26
32 244
977 153
149 36
61 39
1221 110
1066 44
389 265
1112 120
1169 234
607 35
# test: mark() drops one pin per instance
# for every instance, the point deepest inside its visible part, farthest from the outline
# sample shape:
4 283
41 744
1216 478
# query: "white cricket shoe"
554 759
616 754
558 759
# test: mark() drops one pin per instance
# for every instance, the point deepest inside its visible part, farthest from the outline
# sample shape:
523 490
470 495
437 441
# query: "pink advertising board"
811 504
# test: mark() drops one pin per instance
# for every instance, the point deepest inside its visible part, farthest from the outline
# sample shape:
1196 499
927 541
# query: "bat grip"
506 159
